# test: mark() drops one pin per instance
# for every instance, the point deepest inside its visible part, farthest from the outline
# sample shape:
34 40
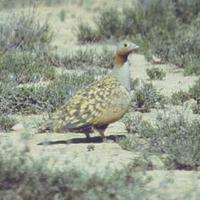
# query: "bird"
99 104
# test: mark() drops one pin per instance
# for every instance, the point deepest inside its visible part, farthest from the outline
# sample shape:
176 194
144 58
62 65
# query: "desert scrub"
6 123
179 97
40 98
24 32
194 91
86 34
24 67
84 59
196 108
136 125
109 23
18 171
146 96
155 73
175 134
192 67
178 135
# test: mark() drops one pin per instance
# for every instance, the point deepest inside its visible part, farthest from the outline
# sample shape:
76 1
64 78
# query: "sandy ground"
73 149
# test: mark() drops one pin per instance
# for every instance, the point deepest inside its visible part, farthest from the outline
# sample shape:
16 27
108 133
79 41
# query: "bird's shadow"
96 139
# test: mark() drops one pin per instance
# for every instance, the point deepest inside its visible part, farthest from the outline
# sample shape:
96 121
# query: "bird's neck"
121 71
120 59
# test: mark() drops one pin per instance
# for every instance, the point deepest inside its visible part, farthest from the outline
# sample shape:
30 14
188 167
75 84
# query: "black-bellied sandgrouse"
101 103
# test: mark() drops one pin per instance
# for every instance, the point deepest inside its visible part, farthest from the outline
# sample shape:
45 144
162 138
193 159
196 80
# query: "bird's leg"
87 135
101 130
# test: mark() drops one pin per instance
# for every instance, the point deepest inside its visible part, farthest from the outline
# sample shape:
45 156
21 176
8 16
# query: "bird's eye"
125 45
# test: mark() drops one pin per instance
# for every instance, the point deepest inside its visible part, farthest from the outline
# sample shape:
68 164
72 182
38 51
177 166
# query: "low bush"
24 32
88 58
174 133
6 123
136 125
109 23
194 91
196 108
192 67
24 67
86 34
155 73
179 97
40 98
146 97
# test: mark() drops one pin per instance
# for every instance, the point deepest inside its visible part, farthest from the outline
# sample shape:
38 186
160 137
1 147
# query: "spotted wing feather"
83 110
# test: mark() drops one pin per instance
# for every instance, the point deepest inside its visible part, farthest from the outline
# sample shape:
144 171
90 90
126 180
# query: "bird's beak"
135 47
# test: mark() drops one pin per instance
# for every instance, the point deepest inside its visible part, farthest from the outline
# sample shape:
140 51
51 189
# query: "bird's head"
123 50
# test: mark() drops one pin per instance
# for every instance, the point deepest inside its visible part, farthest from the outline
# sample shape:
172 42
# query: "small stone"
91 147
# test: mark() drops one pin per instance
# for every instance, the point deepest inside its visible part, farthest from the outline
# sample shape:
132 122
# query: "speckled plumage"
99 104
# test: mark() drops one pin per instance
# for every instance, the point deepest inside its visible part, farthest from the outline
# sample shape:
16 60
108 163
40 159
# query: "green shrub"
6 123
24 67
186 10
178 136
192 67
136 125
175 134
109 23
179 97
24 32
194 91
85 33
146 97
155 73
88 58
40 98
196 108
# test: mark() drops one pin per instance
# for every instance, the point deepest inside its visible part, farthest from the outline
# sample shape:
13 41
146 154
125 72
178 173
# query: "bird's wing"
83 109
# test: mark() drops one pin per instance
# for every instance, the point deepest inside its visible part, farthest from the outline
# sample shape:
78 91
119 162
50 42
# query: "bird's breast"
117 107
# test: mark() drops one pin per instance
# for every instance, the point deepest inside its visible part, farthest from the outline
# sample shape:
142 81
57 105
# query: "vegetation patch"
178 98
155 73
40 98
6 123
146 96
87 58
24 67
24 32
86 34
194 91
174 134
